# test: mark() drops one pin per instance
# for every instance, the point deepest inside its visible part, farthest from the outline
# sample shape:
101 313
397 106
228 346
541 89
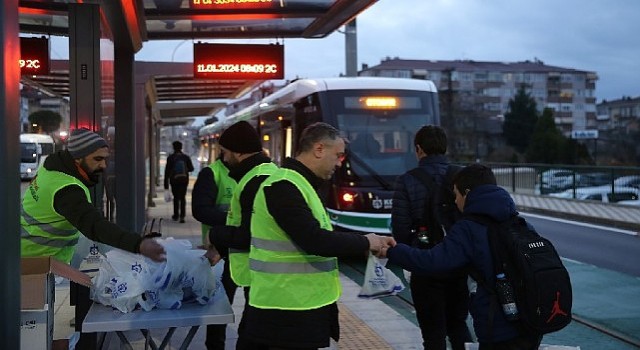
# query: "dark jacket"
168 169
203 200
409 198
308 328
223 236
71 202
466 244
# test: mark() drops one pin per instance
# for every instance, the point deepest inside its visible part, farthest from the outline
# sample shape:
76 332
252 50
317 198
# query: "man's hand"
378 245
153 250
212 255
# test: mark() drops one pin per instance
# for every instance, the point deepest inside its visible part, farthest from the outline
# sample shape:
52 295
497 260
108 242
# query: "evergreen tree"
573 152
520 120
546 140
47 120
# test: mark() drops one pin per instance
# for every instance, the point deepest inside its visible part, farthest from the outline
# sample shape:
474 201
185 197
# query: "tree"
573 152
520 121
546 140
47 120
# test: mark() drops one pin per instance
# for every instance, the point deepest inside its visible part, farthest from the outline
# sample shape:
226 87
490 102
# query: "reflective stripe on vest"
43 231
282 275
239 259
226 186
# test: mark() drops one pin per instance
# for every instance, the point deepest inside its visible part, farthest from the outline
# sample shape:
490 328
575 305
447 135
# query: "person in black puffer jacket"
440 301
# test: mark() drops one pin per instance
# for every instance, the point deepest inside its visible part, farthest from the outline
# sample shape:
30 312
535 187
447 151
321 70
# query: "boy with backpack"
469 244
176 173
423 209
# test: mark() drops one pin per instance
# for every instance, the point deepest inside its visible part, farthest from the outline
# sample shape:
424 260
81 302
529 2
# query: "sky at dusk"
591 35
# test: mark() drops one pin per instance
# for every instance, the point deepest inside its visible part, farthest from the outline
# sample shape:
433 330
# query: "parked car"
555 180
601 194
593 179
629 181
631 202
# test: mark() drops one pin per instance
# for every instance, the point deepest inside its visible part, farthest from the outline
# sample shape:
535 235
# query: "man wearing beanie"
230 234
57 208
176 173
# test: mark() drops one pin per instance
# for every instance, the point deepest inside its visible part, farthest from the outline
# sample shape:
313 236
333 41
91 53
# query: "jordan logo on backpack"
556 310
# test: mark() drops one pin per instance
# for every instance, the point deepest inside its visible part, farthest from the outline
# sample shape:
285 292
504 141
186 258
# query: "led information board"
230 4
238 61
34 56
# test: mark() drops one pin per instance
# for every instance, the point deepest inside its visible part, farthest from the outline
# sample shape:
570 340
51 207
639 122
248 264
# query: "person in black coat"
467 245
440 301
178 177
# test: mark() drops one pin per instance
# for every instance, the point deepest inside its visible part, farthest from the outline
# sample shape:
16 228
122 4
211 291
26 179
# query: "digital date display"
238 61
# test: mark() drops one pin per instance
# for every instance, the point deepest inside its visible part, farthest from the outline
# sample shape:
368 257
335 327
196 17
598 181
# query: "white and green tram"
378 116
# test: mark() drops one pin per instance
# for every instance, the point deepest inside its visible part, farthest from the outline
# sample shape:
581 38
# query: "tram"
379 118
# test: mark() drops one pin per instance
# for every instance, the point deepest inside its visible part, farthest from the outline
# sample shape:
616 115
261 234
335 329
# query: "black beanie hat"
241 137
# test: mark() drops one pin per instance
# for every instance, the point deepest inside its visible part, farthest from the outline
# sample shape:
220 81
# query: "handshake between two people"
378 245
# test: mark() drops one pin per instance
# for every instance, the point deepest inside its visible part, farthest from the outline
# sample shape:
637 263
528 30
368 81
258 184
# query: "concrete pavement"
373 324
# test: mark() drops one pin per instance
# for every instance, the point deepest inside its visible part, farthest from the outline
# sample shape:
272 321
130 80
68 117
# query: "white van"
34 149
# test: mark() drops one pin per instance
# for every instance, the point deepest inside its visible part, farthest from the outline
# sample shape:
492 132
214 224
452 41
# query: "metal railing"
569 181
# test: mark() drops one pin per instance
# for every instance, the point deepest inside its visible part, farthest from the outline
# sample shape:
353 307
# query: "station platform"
600 296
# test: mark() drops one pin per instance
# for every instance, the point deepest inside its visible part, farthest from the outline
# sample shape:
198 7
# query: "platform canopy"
191 19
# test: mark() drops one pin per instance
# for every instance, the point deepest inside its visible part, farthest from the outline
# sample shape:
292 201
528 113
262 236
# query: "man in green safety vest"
249 166
216 204
57 208
293 257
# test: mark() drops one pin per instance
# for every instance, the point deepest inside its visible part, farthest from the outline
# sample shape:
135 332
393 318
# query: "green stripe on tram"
360 221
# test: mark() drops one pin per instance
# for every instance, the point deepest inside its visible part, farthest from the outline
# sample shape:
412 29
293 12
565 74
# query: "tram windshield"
381 138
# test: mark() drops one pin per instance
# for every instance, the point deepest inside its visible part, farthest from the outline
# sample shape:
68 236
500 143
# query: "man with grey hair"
294 249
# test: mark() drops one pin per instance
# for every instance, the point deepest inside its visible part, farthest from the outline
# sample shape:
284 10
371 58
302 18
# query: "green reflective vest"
239 259
226 186
282 275
43 231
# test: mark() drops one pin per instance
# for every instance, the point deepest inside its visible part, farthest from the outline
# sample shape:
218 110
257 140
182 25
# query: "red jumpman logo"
556 310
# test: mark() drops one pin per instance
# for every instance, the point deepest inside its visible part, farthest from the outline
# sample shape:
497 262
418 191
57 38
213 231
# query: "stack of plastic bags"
127 281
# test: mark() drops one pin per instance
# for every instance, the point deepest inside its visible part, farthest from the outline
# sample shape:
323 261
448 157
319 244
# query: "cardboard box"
37 290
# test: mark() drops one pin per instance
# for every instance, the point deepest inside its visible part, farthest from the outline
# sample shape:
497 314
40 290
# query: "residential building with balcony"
475 95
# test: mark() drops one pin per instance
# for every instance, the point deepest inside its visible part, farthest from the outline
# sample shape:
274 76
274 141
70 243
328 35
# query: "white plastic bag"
167 196
186 275
379 281
122 281
126 280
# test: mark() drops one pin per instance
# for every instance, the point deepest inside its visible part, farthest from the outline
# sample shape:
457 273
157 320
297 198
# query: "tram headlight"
347 198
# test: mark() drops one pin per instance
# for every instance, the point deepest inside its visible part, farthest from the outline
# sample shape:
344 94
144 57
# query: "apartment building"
623 113
475 95
619 130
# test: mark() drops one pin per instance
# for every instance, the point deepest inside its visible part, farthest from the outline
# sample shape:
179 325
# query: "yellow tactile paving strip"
355 334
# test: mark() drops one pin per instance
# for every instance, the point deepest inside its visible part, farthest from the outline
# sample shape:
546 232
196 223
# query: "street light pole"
176 48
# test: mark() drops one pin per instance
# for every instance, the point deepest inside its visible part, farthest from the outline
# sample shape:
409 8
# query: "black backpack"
180 172
440 211
540 281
